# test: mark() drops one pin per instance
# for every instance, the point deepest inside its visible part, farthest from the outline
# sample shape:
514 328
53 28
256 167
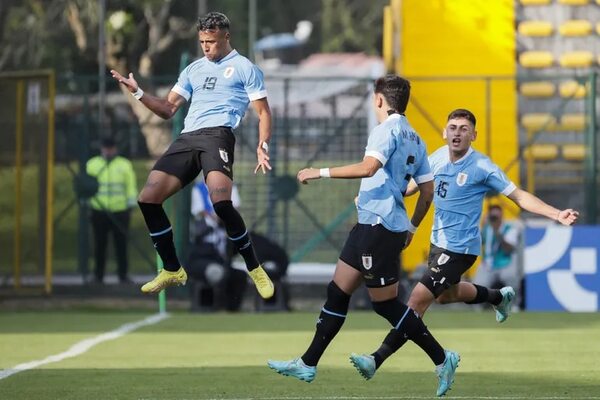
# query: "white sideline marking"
407 398
402 398
84 345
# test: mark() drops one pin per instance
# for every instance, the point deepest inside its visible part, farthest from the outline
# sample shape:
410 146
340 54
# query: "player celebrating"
394 154
220 86
462 177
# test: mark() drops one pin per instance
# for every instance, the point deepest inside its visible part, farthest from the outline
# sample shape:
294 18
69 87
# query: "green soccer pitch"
223 356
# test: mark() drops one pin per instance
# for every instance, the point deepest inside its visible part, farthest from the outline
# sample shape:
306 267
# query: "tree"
352 25
134 46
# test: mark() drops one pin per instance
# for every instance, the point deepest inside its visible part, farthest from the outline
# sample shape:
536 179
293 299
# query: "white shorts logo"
367 261
224 155
461 179
443 259
228 72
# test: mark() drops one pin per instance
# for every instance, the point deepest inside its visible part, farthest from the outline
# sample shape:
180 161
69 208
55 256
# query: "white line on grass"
402 398
83 346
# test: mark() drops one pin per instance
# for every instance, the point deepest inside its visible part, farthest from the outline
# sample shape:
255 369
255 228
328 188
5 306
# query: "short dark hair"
395 90
462 113
213 21
494 207
108 141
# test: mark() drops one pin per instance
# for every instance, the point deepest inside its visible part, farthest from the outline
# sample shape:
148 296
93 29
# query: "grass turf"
223 356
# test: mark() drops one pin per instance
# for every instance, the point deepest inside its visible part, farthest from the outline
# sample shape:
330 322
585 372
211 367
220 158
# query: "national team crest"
224 155
442 259
461 179
367 261
228 72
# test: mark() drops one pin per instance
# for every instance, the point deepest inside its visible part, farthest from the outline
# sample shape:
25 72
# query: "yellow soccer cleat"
263 282
164 279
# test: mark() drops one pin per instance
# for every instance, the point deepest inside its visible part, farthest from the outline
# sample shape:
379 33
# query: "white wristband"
411 227
265 146
138 93
325 173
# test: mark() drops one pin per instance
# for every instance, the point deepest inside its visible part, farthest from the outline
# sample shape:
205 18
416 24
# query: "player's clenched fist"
568 216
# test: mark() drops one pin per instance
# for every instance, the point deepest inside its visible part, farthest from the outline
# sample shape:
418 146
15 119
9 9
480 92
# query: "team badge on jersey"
228 72
224 155
367 261
461 179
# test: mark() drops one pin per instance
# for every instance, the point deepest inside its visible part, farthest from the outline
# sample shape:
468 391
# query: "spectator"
500 240
111 206
211 256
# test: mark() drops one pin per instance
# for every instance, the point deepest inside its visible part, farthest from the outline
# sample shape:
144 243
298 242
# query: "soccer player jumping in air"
394 154
462 178
219 86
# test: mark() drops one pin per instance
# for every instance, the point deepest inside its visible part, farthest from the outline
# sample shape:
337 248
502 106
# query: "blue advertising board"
561 268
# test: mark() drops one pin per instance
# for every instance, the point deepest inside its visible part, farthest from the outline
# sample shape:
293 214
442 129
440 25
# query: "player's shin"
161 233
484 295
392 342
331 319
237 232
408 325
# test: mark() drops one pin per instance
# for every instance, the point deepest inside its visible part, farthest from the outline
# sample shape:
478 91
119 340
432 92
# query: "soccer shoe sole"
354 361
307 379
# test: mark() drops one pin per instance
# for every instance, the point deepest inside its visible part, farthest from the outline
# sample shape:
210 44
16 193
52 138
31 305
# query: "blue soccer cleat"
295 368
503 309
446 371
364 364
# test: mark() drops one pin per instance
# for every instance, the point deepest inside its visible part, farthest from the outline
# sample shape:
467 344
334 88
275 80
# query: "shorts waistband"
227 129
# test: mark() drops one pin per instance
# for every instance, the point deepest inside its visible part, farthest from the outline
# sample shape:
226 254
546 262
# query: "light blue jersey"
404 156
220 91
458 198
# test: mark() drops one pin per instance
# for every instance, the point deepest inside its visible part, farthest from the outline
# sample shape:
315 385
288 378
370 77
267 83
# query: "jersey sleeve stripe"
424 178
509 189
257 95
181 91
377 155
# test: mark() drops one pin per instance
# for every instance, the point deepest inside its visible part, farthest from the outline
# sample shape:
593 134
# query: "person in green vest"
111 206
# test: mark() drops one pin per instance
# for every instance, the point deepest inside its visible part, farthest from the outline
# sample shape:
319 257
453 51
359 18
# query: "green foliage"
352 26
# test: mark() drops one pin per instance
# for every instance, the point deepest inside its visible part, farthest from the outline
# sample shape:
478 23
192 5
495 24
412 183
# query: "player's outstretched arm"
261 106
531 203
164 108
364 169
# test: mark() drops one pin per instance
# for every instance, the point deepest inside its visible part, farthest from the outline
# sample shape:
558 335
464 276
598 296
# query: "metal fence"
316 122
320 122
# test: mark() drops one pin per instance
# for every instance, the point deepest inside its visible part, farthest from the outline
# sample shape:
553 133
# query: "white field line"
84 345
399 398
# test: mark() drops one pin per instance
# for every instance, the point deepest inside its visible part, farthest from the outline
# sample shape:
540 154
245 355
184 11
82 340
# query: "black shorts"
207 149
375 252
444 269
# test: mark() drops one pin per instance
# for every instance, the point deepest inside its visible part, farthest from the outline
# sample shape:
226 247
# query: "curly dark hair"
213 21
395 90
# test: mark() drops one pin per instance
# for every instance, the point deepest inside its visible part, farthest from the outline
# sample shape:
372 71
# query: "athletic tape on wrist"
411 227
138 93
325 173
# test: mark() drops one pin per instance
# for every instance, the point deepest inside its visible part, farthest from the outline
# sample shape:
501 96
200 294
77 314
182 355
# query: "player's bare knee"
150 197
220 193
